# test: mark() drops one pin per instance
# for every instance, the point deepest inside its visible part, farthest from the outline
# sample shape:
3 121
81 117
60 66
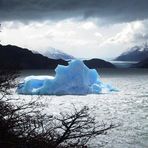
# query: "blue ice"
74 79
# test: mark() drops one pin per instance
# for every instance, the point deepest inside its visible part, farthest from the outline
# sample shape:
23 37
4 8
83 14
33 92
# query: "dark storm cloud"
107 10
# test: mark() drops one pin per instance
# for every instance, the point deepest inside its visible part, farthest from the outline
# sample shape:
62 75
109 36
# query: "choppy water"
128 107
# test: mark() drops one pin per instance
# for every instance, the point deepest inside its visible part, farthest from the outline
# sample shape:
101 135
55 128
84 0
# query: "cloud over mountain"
111 10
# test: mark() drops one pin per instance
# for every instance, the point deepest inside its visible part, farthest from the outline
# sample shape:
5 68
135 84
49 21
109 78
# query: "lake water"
128 107
123 64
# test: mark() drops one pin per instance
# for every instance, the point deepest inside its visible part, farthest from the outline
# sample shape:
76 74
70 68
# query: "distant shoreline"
123 64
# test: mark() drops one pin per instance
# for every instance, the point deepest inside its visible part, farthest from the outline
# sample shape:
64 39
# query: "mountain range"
136 53
13 57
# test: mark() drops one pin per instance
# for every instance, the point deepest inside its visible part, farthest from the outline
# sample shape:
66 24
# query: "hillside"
98 63
13 57
142 64
136 53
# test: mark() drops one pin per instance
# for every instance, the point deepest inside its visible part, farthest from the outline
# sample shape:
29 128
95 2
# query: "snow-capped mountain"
53 53
136 53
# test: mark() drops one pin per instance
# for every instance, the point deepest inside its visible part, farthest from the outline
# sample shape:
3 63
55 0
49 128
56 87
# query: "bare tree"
7 80
77 128
22 126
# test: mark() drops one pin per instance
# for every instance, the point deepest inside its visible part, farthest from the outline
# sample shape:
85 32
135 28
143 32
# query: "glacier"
74 79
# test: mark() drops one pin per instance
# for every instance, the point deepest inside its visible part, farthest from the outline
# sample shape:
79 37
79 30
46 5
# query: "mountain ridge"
14 57
22 58
141 64
53 53
97 63
136 53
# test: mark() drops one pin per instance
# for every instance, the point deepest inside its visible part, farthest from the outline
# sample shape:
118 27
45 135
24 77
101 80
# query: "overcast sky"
82 28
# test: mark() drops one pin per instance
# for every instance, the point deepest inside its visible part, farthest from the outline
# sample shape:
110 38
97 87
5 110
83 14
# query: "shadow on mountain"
13 57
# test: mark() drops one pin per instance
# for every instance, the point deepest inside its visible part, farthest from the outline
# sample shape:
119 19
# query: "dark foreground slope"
142 64
13 57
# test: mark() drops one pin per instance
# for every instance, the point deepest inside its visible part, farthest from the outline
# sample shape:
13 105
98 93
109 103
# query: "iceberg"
74 79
